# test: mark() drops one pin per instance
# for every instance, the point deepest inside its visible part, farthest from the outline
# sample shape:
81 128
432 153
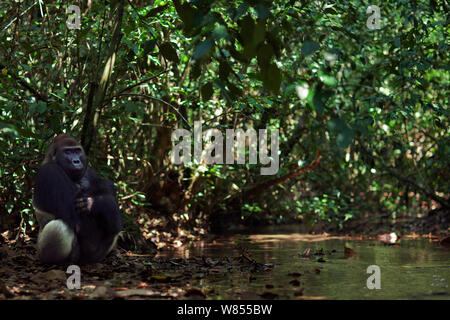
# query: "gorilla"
76 209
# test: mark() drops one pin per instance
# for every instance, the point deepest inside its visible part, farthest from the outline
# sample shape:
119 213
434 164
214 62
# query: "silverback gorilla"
77 211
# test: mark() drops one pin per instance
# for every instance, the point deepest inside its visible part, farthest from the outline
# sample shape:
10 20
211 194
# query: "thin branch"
12 21
392 171
159 100
23 83
107 101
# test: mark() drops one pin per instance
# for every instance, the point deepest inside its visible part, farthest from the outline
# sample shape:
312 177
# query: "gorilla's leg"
99 230
107 214
57 243
108 217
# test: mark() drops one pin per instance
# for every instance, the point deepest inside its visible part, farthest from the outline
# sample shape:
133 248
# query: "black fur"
57 196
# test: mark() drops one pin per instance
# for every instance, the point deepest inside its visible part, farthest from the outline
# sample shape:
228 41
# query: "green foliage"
309 47
376 100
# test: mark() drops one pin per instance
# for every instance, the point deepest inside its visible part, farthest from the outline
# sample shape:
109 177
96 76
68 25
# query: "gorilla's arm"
100 201
54 195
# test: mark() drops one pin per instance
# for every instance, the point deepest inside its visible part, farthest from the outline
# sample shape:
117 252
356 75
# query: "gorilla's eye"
70 151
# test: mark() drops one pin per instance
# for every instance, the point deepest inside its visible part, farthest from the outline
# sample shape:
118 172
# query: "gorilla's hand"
84 205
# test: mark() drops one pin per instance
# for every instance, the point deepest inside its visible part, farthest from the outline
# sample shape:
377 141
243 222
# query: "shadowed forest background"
375 102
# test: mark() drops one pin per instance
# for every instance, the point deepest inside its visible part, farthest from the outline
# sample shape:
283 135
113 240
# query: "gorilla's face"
73 160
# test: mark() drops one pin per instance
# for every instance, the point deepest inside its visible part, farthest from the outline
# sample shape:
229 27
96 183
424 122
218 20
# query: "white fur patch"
113 244
56 238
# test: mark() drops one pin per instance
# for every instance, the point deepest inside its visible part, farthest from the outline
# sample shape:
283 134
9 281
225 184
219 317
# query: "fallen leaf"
194 292
159 278
445 242
269 295
136 292
319 252
103 292
52 275
295 283
349 252
299 293
389 238
306 253
294 274
6 291
247 295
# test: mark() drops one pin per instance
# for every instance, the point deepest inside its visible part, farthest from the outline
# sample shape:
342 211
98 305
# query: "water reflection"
411 269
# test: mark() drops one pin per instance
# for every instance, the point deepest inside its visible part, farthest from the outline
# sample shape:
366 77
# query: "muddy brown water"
411 269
